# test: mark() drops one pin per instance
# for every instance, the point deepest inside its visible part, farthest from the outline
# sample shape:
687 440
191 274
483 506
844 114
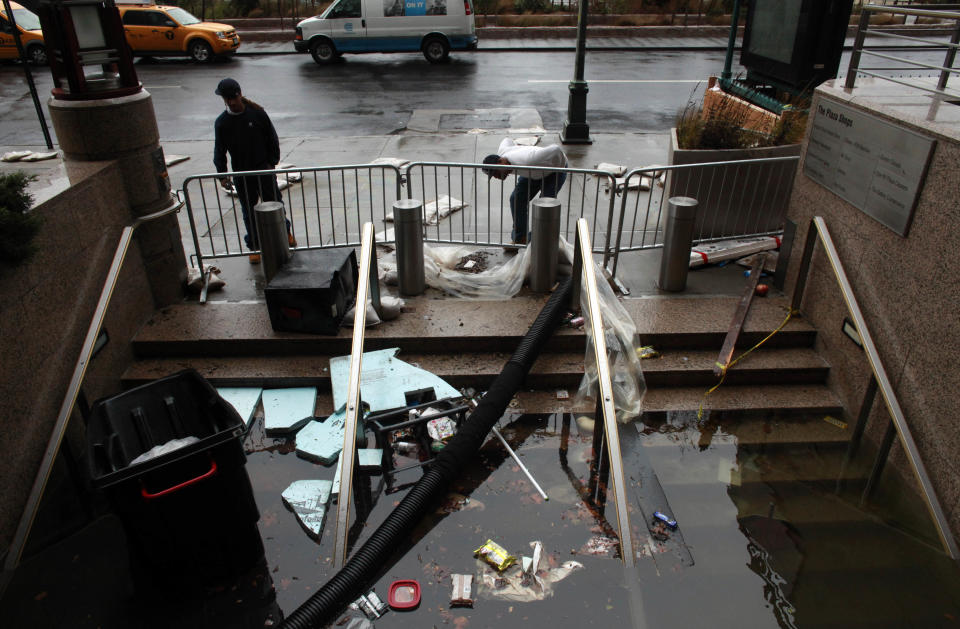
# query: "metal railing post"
857 47
949 58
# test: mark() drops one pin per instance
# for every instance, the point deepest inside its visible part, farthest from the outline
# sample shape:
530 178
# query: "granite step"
449 326
478 370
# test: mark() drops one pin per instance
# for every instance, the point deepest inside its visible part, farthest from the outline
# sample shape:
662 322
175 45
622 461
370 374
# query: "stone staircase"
467 343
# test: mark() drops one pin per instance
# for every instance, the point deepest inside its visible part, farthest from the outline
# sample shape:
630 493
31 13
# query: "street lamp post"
575 128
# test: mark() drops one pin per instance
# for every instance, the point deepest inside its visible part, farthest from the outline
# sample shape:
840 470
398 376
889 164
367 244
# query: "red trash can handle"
146 494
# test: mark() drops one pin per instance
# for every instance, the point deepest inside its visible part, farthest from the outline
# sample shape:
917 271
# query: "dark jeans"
252 190
525 190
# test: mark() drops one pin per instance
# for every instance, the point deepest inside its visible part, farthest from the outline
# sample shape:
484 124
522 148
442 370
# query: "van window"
5 26
345 8
393 8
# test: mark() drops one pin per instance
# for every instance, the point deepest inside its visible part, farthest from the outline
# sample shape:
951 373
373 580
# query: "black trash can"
189 513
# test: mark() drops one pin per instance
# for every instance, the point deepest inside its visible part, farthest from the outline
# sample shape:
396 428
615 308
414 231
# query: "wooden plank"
726 352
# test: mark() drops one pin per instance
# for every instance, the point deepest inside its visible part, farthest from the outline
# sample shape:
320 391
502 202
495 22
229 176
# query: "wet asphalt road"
376 94
629 91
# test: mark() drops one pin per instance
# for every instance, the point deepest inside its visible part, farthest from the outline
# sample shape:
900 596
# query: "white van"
434 27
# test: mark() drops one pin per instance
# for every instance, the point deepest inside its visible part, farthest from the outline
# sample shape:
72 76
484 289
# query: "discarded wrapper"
647 351
494 554
462 595
441 428
665 519
371 605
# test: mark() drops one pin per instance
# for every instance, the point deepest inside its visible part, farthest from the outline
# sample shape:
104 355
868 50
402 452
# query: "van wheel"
436 50
323 51
37 55
200 51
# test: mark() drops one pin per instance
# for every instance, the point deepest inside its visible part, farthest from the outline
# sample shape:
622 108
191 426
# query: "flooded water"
762 540
754 547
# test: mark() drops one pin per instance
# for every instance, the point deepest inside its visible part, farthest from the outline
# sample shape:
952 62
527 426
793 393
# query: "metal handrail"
583 264
73 389
367 285
818 228
946 69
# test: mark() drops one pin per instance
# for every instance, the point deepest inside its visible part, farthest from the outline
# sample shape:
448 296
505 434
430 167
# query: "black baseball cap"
228 88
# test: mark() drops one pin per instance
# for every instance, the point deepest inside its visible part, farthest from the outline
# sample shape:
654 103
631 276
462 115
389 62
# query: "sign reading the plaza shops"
877 166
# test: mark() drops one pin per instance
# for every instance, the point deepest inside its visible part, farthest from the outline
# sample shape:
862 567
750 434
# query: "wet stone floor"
763 541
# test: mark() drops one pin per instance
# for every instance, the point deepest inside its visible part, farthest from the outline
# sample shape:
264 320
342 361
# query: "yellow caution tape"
724 368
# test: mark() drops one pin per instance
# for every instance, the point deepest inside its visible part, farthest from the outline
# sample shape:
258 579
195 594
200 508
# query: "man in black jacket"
244 130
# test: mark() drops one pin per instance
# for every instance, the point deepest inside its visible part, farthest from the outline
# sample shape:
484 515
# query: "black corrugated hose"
345 586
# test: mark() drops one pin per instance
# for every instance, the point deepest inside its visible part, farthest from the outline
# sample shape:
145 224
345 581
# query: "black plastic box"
189 514
313 291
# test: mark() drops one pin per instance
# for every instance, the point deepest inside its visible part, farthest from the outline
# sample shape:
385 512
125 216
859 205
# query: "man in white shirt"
529 182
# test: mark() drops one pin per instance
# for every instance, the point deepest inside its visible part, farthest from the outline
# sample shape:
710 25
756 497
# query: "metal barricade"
485 217
325 206
736 199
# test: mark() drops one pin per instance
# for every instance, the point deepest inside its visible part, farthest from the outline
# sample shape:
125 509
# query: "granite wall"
45 308
908 294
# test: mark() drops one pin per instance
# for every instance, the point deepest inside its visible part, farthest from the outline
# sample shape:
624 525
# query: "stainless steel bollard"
408 227
544 243
271 227
677 241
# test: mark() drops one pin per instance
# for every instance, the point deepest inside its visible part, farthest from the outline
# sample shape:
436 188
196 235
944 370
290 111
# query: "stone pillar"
125 129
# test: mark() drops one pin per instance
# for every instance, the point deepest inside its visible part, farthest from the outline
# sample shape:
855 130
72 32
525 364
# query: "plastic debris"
761 290
371 605
287 410
518 586
600 545
576 322
839 423
462 595
170 160
665 519
647 352
321 441
14 156
164 448
441 428
494 554
563 394
370 459
243 399
404 594
308 500
709 253
384 380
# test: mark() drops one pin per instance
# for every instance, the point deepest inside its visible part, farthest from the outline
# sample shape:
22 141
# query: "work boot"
291 240
254 258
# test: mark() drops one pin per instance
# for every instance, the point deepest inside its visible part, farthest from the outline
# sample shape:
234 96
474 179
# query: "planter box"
734 199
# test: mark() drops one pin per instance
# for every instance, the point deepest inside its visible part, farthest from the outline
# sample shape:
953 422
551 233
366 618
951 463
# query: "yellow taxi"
159 30
30 35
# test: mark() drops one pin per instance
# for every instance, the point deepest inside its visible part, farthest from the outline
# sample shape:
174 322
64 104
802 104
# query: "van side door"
389 27
347 26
